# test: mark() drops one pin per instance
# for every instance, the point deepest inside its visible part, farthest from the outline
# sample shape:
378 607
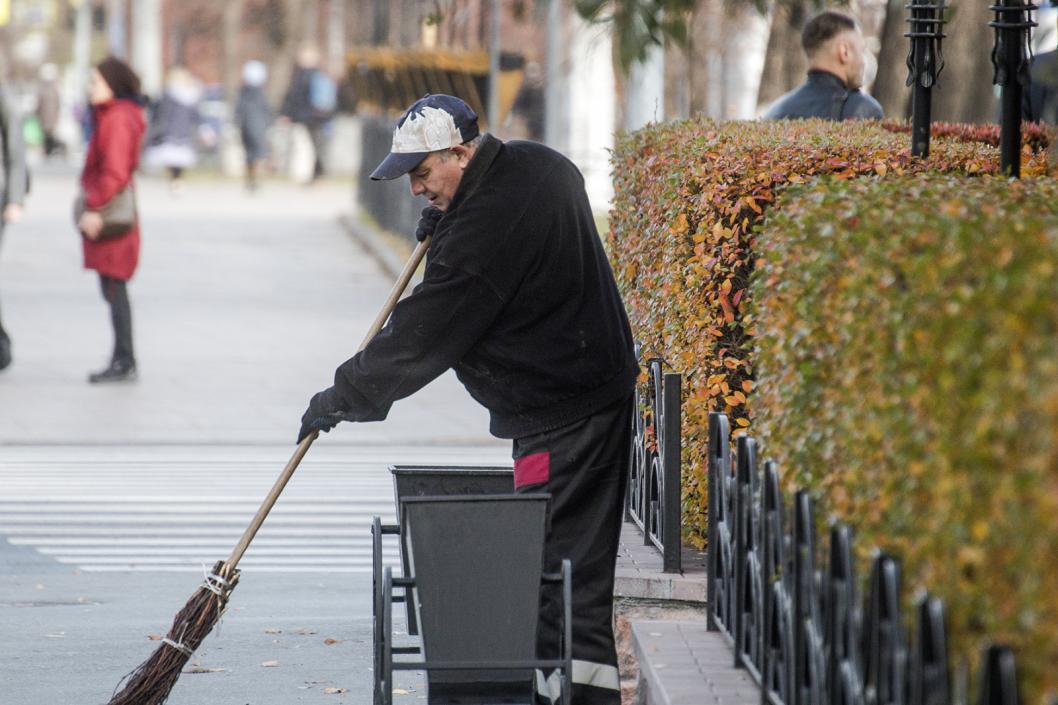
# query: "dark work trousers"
584 467
116 294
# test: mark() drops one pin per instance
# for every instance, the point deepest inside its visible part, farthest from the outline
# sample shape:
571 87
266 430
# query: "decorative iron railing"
653 498
800 630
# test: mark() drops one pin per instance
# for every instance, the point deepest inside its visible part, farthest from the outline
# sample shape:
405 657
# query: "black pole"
1011 57
924 63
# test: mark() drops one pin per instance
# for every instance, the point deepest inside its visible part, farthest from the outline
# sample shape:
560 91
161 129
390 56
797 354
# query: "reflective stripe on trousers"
585 673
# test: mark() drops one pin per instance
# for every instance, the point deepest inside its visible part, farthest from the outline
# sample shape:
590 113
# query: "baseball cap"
434 122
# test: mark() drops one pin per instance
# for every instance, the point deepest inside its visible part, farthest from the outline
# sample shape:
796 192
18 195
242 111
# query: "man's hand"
324 412
12 213
91 224
428 222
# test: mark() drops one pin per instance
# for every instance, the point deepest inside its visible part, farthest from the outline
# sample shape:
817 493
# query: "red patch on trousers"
532 469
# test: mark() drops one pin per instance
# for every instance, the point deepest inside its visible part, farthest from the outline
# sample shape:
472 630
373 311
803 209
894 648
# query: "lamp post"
924 64
1011 56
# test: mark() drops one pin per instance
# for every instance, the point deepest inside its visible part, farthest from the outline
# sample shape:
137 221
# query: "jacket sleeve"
118 144
14 155
428 333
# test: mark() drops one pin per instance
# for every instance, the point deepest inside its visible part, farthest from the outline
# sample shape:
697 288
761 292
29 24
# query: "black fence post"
719 465
671 461
999 679
930 683
1011 56
924 64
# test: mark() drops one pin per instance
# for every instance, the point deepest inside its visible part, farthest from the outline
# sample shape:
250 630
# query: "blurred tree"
232 23
638 25
890 87
964 92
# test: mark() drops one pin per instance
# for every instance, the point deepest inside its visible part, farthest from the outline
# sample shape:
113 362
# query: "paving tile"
674 675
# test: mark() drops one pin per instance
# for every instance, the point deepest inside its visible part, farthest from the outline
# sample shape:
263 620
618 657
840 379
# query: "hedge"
907 367
687 198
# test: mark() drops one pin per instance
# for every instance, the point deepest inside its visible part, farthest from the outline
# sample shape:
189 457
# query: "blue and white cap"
434 122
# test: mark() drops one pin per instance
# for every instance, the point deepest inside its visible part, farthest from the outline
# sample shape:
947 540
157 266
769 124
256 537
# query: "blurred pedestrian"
253 117
49 105
113 153
311 101
14 182
836 55
176 127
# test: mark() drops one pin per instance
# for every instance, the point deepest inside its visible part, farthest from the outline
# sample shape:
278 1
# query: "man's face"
853 56
438 175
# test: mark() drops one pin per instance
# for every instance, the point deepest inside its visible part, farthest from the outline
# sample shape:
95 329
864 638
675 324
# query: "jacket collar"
474 174
826 78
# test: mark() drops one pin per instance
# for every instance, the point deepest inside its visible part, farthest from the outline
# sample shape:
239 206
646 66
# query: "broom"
151 682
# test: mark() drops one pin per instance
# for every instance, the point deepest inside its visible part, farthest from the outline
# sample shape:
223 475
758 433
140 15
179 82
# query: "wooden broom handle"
281 482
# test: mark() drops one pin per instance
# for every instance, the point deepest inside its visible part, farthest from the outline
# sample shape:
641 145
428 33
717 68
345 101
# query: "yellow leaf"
732 400
747 385
742 422
979 530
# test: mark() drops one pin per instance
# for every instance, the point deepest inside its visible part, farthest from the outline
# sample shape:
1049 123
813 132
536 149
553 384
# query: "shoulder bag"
119 213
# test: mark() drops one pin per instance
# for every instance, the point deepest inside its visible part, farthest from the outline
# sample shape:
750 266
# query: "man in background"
836 52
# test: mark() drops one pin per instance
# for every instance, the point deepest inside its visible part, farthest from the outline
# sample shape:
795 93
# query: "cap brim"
397 165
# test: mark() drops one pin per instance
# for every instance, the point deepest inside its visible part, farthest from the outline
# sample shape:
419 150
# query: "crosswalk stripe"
133 509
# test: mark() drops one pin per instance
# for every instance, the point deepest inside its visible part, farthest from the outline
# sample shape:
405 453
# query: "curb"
375 243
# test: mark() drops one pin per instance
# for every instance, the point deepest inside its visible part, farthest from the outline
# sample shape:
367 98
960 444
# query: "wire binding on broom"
151 682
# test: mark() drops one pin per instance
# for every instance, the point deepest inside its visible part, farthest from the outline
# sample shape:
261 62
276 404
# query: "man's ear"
463 154
844 51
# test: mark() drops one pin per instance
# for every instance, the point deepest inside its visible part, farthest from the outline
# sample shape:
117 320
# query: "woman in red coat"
113 153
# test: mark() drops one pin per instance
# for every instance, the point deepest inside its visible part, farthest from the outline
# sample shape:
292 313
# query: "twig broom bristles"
153 680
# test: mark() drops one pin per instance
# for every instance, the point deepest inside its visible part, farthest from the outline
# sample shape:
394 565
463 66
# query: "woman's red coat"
113 153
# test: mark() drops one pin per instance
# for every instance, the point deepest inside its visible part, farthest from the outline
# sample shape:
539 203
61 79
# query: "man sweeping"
519 299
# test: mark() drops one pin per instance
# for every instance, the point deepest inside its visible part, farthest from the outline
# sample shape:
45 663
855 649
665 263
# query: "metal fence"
654 482
800 629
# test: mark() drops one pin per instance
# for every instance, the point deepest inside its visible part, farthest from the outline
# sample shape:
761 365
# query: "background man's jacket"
824 95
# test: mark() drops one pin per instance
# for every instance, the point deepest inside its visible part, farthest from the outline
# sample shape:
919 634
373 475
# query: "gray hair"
473 144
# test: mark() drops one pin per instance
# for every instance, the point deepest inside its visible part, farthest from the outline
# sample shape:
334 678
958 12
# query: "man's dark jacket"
824 95
1040 101
517 297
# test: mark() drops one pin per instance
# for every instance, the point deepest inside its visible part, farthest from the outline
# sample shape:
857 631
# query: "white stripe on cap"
429 131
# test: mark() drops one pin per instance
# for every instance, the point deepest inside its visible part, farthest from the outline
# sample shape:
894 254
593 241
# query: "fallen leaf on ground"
270 664
305 632
154 637
401 691
273 631
335 691
199 669
330 642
